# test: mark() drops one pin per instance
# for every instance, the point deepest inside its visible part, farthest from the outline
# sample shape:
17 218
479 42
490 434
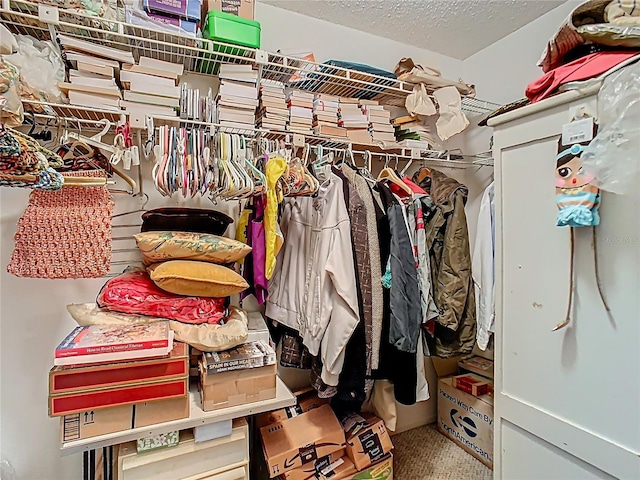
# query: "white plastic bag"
41 68
613 156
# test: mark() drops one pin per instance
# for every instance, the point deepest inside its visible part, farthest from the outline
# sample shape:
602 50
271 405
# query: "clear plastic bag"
41 68
613 156
7 471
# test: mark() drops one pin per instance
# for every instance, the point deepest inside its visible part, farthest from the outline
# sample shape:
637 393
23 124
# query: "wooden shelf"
284 398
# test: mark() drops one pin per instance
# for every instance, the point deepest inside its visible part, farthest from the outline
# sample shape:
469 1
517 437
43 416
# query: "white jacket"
483 268
313 287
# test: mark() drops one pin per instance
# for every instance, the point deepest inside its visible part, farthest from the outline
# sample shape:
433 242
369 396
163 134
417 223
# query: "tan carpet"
425 454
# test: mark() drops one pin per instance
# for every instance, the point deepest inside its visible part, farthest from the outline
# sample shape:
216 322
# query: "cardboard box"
478 365
151 413
383 470
370 444
472 384
92 423
302 439
326 466
238 387
467 420
242 8
306 400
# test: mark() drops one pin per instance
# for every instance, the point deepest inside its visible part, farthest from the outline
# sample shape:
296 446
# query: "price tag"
416 153
298 140
577 132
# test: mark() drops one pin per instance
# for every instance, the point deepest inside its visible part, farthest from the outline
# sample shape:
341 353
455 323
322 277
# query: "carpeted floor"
425 454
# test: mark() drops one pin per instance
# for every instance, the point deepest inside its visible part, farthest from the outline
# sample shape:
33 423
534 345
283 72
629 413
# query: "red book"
108 343
74 379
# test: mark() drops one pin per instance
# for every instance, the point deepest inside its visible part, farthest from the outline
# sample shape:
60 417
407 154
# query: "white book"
176 68
152 71
326 105
242 126
94 100
151 99
250 80
148 109
234 89
225 115
93 82
233 102
301 112
84 74
90 59
142 79
106 71
141 86
74 43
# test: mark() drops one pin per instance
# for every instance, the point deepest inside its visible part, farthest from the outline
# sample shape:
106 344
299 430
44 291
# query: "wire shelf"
205 56
72 114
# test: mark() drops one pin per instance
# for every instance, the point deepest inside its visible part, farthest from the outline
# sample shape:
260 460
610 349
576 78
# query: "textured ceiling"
456 28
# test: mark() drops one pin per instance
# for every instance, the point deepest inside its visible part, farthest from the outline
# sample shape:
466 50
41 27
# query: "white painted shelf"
284 398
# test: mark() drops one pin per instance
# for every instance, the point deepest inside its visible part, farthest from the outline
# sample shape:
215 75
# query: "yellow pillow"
161 246
196 279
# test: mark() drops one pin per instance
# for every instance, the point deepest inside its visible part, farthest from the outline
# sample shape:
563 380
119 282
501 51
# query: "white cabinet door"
567 403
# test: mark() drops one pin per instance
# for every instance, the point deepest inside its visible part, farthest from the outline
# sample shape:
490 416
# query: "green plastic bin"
228 28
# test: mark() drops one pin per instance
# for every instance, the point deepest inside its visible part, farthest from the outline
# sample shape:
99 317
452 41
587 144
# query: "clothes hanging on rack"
448 244
483 267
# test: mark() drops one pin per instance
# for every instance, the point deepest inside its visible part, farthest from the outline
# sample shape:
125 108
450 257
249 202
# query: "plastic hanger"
388 174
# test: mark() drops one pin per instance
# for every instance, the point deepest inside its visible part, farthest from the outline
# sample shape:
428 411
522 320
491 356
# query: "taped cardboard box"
93 423
302 439
369 444
467 420
326 466
241 8
238 387
305 400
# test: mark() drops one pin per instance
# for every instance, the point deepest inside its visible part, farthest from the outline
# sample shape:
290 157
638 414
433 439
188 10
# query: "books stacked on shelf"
409 127
272 113
240 375
354 121
238 96
379 121
108 378
325 116
300 106
92 78
151 86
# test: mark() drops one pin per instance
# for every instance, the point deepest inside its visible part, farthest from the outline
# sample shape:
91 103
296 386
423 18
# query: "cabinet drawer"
235 473
188 459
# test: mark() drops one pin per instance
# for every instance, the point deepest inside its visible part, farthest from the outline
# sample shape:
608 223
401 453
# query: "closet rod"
485 162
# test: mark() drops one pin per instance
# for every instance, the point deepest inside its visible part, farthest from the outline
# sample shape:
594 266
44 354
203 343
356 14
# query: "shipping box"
305 400
369 444
92 423
238 387
383 470
302 439
316 469
241 8
465 419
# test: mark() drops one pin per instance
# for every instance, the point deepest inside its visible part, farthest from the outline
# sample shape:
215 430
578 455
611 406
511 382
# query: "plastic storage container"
228 28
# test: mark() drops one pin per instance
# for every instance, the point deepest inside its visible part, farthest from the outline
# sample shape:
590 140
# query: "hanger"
365 171
388 174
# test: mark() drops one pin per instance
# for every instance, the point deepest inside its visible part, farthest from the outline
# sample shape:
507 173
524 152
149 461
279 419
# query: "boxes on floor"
344 469
92 423
293 442
305 400
241 8
237 387
369 444
462 417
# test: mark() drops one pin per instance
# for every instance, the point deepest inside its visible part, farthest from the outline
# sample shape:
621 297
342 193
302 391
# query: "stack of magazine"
248 355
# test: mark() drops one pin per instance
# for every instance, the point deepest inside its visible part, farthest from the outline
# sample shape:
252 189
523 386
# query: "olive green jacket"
448 245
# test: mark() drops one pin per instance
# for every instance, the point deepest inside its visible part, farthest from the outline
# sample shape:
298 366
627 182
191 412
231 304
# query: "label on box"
308 453
330 470
371 444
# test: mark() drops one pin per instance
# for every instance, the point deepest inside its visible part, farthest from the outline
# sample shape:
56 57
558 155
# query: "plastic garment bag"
612 156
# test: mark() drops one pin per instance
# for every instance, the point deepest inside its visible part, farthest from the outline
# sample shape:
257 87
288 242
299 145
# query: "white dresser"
567 403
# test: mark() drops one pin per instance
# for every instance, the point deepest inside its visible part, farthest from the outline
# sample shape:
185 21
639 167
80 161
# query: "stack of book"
409 127
92 80
354 120
238 96
151 87
325 116
102 374
243 374
379 121
272 109
300 106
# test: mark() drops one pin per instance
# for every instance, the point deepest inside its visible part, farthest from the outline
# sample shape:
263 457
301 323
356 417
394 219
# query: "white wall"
502 71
